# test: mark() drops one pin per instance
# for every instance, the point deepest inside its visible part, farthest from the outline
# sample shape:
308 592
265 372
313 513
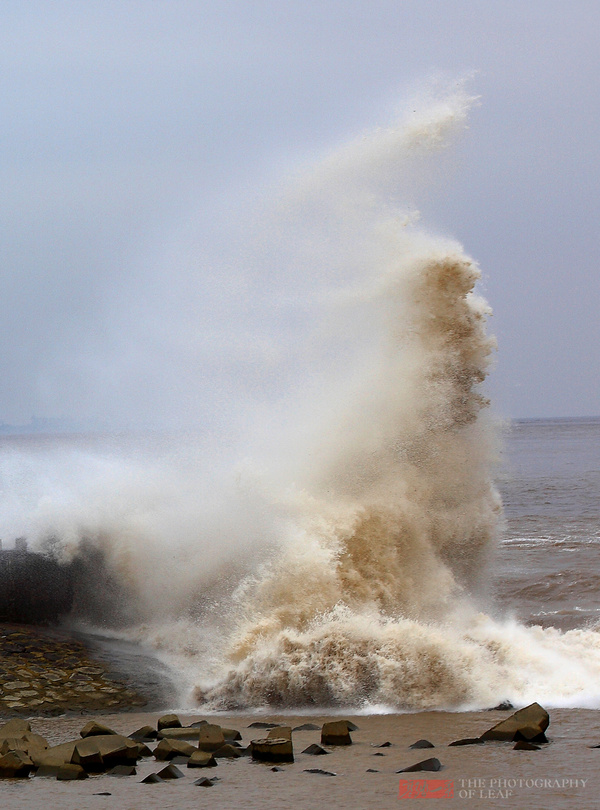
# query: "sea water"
546 570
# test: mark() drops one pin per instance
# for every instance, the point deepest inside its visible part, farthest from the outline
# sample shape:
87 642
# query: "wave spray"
372 597
343 561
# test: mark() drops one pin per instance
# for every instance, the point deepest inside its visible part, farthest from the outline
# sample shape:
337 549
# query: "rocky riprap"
46 673
528 725
100 750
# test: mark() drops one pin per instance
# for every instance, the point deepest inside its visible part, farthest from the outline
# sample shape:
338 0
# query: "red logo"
426 789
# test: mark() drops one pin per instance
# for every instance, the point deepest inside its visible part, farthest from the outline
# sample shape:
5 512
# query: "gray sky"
134 134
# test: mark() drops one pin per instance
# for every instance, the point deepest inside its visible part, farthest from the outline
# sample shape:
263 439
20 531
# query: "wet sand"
562 774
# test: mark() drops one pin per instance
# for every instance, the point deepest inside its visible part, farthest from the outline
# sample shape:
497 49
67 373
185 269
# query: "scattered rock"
432 764
382 745
505 706
227 751
122 770
204 782
170 772
183 733
56 756
307 727
93 729
336 733
523 745
69 772
168 749
201 759
277 769
144 734
210 737
89 758
379 754
260 724
467 741
14 728
319 771
151 779
422 744
372 770
527 724
315 750
272 750
29 743
231 734
168 721
280 733
142 750
102 752
15 764
47 771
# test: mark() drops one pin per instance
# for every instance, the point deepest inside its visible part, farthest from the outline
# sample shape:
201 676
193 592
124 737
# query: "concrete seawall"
34 589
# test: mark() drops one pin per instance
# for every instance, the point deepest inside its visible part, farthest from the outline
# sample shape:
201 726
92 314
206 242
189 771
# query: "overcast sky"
133 134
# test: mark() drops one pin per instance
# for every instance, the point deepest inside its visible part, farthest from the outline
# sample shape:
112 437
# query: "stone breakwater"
99 749
301 761
47 673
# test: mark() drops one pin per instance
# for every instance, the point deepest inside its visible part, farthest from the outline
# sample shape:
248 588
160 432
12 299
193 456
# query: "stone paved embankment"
46 672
